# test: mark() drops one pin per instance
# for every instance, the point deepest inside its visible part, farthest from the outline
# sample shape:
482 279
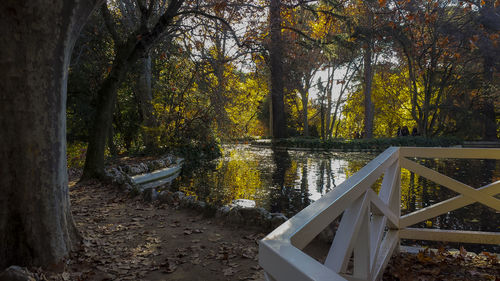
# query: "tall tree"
367 31
35 219
489 29
276 67
127 52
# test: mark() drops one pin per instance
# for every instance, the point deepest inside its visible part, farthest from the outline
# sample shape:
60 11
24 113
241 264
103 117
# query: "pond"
288 181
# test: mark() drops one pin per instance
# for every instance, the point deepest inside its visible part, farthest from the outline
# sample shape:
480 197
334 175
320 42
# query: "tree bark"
489 56
305 112
145 94
276 65
368 77
329 89
94 160
37 39
488 106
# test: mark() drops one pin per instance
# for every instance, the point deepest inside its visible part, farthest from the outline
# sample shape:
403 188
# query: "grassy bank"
377 144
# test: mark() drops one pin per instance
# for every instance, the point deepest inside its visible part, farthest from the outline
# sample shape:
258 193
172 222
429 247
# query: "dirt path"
127 239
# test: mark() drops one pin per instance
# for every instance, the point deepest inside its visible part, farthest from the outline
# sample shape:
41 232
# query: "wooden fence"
371 223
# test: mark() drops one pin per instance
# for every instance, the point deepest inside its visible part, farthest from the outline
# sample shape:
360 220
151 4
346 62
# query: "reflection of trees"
418 192
325 179
304 185
286 196
320 177
233 177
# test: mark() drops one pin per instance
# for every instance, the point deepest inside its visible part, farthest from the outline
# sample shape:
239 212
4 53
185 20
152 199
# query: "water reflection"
418 192
286 182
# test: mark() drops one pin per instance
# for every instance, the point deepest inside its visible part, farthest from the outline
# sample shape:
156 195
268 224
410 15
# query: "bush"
75 154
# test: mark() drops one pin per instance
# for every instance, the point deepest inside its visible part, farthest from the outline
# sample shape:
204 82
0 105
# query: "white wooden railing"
371 224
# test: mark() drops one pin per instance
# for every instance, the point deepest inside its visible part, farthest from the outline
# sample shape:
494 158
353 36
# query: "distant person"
414 132
404 131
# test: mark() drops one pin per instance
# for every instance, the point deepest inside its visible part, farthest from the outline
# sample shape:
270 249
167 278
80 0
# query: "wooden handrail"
371 224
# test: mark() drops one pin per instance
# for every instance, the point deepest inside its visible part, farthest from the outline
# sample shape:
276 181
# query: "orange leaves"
382 3
494 36
443 42
492 258
442 265
472 45
220 6
497 3
472 42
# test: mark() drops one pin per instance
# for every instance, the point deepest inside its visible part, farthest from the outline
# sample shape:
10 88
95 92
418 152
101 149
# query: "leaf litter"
127 239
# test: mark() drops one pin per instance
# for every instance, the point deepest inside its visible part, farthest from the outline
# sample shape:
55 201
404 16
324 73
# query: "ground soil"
128 239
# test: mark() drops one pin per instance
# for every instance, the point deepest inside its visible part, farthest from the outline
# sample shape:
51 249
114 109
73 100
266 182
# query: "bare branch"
223 21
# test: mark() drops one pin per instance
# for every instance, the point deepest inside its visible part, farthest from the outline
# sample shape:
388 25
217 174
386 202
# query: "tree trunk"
304 100
145 94
276 65
113 150
35 219
488 103
127 54
94 160
322 117
329 89
368 77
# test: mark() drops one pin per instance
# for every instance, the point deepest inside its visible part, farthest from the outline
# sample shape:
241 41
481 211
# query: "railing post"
395 203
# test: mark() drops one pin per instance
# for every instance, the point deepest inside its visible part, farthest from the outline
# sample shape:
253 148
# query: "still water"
286 182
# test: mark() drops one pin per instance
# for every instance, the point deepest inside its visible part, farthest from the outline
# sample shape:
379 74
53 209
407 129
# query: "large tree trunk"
36 226
276 63
145 94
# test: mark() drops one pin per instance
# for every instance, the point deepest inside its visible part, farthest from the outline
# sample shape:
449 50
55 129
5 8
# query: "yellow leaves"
423 257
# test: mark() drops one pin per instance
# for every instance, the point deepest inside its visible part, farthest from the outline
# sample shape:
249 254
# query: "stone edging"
123 175
232 214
